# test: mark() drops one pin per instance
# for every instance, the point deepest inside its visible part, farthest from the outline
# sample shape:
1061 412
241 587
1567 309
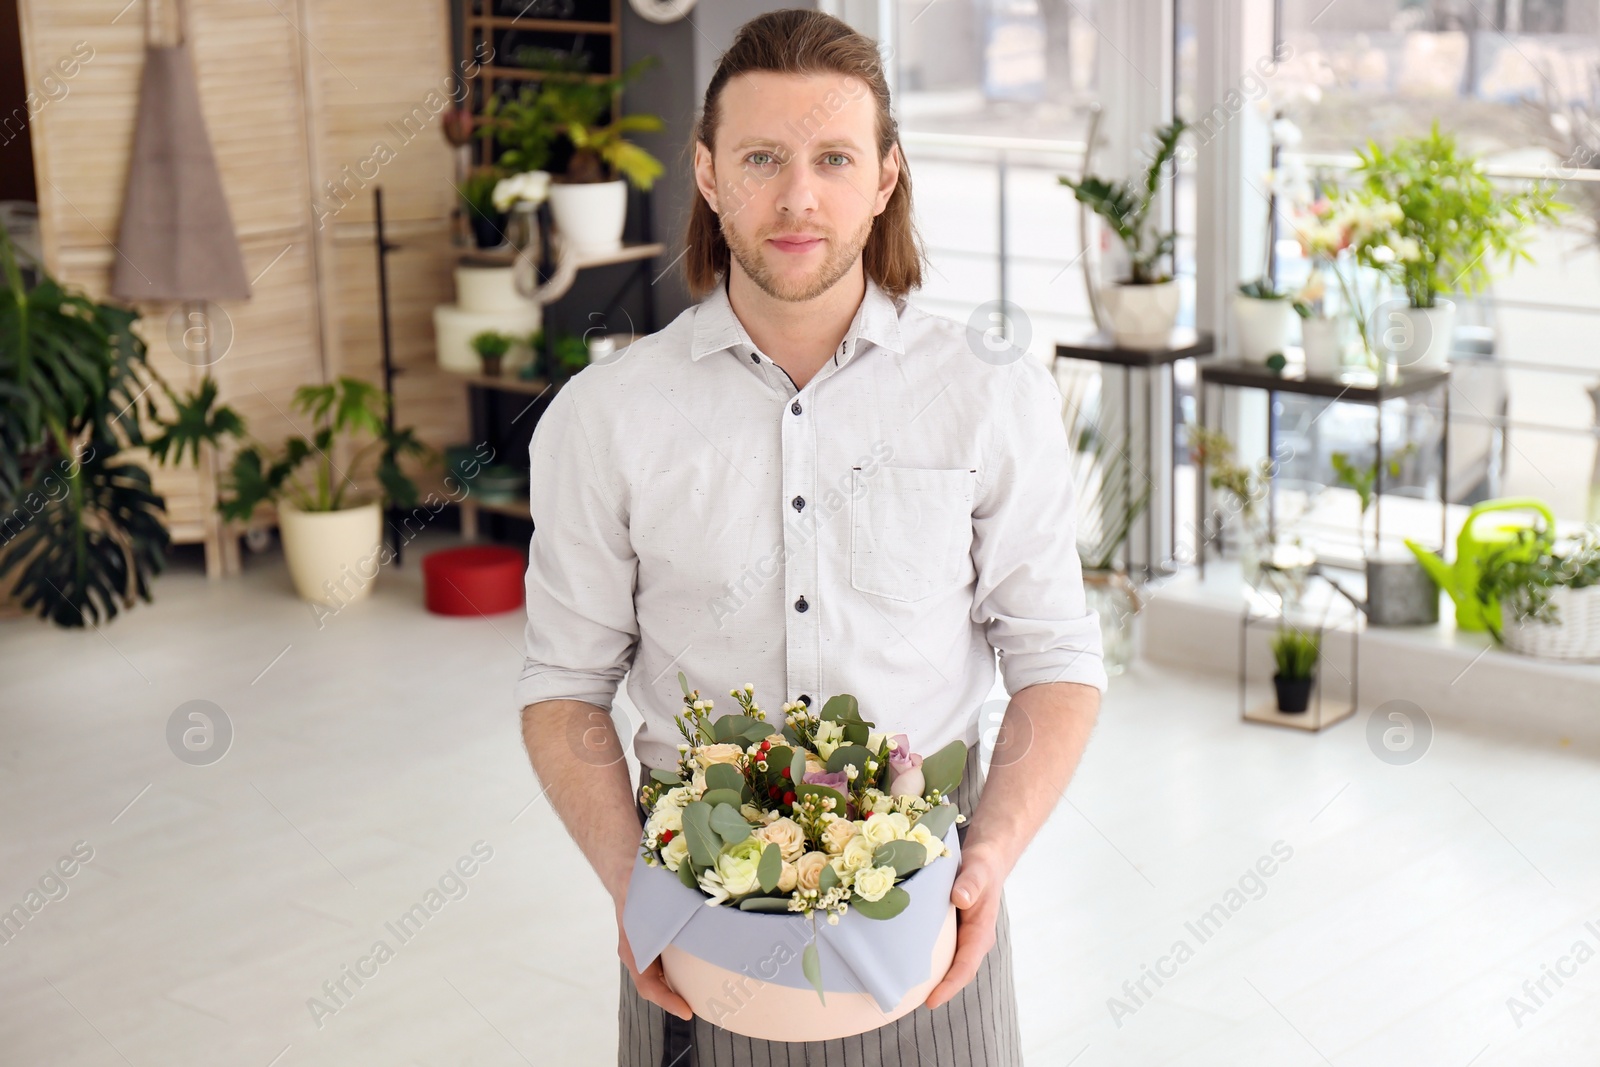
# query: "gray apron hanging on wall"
176 240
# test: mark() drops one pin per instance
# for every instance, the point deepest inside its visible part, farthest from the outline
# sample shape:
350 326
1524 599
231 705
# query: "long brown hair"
795 41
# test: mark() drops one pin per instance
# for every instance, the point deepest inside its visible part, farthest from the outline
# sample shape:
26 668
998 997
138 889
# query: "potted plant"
1400 591
1264 314
1323 238
1548 592
519 196
331 530
1212 453
487 219
491 346
1143 306
588 198
1445 225
1296 655
82 531
568 354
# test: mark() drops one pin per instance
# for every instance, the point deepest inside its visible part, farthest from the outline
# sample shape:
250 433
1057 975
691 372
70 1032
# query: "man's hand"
977 898
652 981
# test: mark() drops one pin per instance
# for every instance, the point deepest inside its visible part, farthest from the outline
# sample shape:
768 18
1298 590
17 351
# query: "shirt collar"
717 328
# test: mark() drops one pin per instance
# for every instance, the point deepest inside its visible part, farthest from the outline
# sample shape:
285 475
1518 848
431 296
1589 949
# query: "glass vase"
1113 597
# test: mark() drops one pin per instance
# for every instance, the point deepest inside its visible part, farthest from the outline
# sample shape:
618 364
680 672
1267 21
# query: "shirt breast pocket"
910 530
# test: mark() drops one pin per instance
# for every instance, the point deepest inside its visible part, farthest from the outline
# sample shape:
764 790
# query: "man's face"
795 180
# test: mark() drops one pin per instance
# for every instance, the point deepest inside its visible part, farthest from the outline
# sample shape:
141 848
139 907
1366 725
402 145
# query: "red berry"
774 792
786 773
666 835
788 798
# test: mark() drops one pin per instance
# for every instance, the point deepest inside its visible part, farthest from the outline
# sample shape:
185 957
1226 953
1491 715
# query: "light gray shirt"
884 531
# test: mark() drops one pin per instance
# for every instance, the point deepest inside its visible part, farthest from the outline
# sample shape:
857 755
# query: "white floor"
371 755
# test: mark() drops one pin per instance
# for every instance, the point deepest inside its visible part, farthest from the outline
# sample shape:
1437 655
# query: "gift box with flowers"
761 831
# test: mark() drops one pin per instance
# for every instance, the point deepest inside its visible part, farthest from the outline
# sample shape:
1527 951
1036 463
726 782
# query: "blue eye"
843 159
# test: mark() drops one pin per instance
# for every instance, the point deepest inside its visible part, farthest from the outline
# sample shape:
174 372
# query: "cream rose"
837 834
814 765
664 817
786 834
808 869
873 882
787 877
727 752
857 852
881 829
921 836
674 852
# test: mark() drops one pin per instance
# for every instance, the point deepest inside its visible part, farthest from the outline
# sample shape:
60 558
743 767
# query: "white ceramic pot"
1417 337
333 556
1262 326
1141 316
1323 342
590 216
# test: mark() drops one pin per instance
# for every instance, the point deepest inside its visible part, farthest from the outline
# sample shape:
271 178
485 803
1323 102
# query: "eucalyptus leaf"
856 733
778 757
808 789
770 904
827 879
729 824
703 843
811 964
770 869
724 776
716 797
665 777
939 820
797 767
686 875
684 682
842 708
903 856
943 769
732 727
888 906
849 754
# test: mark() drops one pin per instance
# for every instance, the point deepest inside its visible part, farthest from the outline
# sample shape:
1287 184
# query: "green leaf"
724 776
805 789
797 767
731 727
842 708
943 769
811 964
665 777
703 843
888 906
938 820
771 904
778 758
856 733
849 754
729 824
684 683
770 869
686 875
827 879
903 856
757 731
715 797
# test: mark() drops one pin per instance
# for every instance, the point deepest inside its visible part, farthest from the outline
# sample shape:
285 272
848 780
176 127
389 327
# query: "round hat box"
473 580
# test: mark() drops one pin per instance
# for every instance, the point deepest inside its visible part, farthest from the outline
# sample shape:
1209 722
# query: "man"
805 483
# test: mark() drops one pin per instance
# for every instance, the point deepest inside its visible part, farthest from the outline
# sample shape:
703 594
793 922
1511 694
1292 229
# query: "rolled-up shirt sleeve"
1029 596
582 630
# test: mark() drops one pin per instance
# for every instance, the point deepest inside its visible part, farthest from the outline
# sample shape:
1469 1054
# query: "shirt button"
795 407
755 358
805 698
801 605
799 502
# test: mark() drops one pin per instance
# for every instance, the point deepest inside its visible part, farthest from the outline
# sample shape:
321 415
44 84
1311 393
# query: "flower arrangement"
821 816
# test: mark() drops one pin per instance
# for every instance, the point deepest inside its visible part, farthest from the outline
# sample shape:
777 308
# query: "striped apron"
977 1027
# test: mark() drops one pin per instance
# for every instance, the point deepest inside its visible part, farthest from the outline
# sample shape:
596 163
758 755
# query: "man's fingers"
974 941
652 985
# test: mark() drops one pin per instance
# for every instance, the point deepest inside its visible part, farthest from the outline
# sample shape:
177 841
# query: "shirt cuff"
1077 657
539 683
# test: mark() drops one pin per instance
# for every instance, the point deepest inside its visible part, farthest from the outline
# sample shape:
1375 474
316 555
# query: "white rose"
858 852
881 829
837 834
674 852
664 817
921 836
873 882
829 736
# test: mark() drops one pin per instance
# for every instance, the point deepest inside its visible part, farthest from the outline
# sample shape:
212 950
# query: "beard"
750 253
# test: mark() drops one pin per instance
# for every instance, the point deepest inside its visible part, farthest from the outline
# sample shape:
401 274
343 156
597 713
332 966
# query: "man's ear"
705 175
888 178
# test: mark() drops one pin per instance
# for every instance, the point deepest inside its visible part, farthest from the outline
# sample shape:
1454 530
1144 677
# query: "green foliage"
1126 207
943 770
888 906
1362 479
571 106
1296 653
1262 289
1211 451
492 344
477 192
1453 221
1522 574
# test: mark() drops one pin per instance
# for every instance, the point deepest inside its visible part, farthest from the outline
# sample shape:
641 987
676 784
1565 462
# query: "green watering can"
1473 545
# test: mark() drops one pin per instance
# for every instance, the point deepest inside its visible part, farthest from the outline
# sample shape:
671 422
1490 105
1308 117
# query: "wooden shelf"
505 383
1308 720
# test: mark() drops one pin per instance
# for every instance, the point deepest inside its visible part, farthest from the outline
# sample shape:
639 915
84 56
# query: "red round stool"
474 580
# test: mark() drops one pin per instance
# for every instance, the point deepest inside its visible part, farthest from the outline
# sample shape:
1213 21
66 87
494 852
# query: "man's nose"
797 194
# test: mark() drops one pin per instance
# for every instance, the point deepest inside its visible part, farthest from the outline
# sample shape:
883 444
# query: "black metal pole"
384 248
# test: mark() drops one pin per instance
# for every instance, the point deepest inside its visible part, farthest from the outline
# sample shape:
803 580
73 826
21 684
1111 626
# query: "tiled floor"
372 754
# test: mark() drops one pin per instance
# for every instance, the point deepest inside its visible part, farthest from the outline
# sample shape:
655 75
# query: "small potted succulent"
1143 306
492 346
568 354
1296 654
488 221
